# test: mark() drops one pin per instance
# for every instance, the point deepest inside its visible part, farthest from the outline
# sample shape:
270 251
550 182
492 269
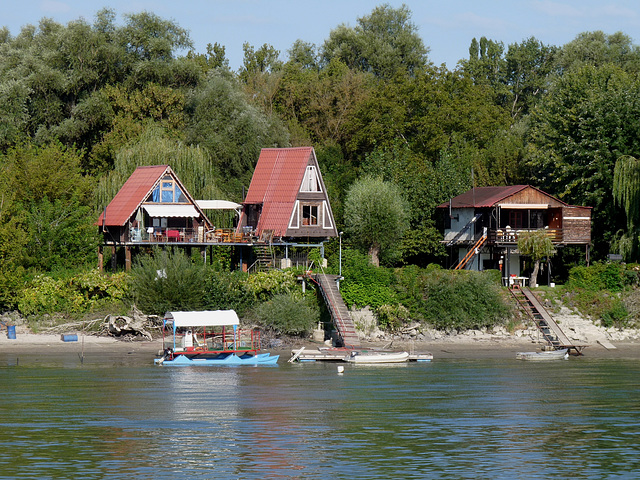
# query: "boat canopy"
206 318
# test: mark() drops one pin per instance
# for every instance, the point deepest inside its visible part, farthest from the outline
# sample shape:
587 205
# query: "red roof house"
287 197
152 205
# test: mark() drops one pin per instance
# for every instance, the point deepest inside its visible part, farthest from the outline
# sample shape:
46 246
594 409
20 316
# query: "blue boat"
210 337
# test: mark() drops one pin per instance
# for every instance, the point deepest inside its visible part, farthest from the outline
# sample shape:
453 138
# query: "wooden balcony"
189 236
511 236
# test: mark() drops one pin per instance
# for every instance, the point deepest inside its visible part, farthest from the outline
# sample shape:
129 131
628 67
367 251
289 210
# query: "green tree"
383 43
578 131
536 245
597 49
376 216
626 192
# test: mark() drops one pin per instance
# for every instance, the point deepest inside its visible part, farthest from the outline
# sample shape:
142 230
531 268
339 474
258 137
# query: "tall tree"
376 216
383 43
626 192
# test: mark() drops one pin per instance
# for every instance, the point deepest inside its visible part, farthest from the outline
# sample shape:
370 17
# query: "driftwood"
120 325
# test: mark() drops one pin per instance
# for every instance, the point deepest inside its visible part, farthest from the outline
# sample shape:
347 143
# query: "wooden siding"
576 225
532 196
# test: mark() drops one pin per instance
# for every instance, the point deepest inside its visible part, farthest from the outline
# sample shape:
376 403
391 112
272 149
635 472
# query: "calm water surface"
126 418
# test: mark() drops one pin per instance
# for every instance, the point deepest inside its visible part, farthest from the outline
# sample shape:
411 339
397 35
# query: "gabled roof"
481 197
136 190
276 183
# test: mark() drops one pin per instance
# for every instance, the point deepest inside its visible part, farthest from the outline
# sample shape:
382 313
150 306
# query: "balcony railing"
190 235
511 235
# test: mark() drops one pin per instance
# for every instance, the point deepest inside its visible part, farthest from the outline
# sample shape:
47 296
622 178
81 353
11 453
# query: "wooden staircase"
265 259
550 330
471 253
339 311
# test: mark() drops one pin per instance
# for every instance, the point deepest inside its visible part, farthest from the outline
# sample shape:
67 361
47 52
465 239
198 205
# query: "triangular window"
311 181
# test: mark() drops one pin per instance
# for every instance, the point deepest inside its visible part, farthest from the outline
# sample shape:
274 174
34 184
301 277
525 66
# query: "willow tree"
536 245
626 192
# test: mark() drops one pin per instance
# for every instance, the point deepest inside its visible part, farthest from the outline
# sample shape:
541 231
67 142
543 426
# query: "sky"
446 27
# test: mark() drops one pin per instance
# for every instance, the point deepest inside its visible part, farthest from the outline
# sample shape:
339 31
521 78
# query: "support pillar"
100 258
114 260
127 258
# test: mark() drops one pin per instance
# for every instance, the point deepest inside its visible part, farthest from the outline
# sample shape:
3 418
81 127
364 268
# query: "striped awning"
171 210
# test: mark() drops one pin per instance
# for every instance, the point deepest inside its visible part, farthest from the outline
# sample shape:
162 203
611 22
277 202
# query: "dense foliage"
87 102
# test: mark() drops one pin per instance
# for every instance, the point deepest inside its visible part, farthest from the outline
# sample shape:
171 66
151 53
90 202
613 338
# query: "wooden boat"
561 354
210 338
377 357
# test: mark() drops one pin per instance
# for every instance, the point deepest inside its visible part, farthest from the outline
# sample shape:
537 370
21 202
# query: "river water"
488 418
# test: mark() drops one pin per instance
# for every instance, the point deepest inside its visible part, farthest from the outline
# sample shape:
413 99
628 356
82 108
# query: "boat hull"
543 356
377 358
231 359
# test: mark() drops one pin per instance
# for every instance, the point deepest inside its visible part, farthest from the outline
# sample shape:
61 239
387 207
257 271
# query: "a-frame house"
153 206
287 199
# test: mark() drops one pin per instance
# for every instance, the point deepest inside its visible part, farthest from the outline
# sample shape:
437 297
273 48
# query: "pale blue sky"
446 27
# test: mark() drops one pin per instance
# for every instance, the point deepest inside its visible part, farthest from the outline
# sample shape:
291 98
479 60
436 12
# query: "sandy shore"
459 346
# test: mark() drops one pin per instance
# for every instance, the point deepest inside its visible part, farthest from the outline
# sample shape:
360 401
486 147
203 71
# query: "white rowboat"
562 354
377 357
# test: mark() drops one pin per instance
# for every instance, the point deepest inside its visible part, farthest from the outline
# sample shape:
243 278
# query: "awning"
218 205
171 210
525 206
206 318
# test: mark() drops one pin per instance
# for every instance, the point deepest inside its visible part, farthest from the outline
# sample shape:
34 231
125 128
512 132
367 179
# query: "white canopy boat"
377 357
561 354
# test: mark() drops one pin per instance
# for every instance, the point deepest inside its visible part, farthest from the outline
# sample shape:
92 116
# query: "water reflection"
450 419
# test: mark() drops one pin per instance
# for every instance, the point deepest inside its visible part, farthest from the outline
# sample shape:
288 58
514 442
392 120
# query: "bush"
288 314
463 300
600 276
265 285
167 280
392 317
78 293
228 291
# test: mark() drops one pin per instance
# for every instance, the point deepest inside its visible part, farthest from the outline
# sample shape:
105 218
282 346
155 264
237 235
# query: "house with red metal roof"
153 206
287 198
482 225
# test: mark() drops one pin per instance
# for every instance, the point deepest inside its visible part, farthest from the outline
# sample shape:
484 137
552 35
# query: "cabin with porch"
287 200
482 226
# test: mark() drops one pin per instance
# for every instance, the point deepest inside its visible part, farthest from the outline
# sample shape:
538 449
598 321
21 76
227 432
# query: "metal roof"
137 189
480 197
276 183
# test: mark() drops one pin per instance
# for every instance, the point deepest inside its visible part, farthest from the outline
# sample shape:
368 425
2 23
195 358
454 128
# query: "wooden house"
287 199
482 226
153 206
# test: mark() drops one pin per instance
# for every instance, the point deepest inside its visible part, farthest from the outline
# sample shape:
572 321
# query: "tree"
626 192
597 49
382 43
537 245
588 120
376 216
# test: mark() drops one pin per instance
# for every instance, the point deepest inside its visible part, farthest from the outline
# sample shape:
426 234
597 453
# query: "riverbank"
447 347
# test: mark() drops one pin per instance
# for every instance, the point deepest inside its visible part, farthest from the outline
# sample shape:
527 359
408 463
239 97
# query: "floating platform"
342 354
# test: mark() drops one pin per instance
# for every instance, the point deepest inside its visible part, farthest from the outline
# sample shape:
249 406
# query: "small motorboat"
377 357
561 354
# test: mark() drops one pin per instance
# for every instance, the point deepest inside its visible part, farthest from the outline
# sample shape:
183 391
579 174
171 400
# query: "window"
310 182
309 215
168 191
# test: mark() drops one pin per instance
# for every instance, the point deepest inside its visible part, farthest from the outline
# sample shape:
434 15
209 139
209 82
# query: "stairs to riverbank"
338 309
550 330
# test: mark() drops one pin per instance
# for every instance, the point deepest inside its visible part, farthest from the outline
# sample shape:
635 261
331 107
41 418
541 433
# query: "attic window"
310 182
168 191
309 215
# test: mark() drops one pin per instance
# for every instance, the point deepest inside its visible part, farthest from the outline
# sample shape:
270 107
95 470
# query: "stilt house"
287 198
482 226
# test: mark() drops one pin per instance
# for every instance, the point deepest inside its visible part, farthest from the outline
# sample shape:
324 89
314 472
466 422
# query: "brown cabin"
287 198
483 225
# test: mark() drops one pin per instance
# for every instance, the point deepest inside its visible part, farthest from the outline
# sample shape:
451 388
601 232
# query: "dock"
340 354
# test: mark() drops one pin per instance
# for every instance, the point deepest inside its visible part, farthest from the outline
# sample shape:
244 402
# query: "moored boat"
210 338
377 357
561 354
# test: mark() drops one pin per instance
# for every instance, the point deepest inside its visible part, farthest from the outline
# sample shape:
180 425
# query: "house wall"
576 225
464 216
531 195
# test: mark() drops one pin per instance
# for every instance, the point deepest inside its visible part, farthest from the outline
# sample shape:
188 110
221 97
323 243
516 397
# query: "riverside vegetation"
445 300
86 103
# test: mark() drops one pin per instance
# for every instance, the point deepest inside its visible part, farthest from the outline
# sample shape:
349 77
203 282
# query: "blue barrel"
11 332
69 338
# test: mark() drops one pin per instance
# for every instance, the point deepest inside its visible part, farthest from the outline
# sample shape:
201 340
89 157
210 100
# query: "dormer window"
311 182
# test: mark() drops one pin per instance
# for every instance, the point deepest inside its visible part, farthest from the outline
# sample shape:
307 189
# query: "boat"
561 354
209 338
376 357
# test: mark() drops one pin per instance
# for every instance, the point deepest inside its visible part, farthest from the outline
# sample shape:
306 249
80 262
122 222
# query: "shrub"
392 317
228 291
599 276
167 280
288 314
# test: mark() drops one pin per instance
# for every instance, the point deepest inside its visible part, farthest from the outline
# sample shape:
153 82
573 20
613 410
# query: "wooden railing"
503 235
